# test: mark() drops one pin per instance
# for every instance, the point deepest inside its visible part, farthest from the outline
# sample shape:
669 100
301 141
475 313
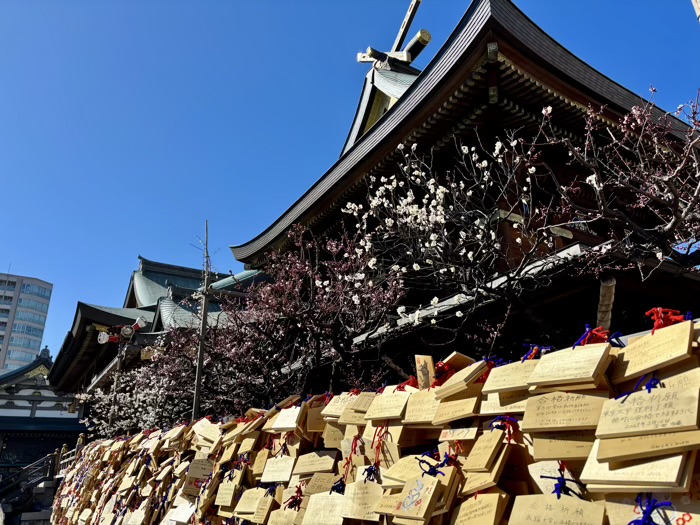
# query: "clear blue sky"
125 124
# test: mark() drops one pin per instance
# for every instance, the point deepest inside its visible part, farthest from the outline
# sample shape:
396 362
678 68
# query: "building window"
26 329
35 289
27 316
19 355
8 366
24 342
31 304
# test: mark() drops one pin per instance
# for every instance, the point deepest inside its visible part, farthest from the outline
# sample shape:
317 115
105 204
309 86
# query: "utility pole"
202 327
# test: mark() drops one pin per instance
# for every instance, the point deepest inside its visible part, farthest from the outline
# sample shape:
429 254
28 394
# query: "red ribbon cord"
294 502
664 317
443 372
412 381
381 434
347 466
489 366
597 335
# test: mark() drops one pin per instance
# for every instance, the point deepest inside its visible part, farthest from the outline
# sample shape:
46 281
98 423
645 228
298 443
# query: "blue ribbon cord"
560 487
371 473
653 382
581 339
270 490
338 487
615 340
432 470
648 507
535 350
500 423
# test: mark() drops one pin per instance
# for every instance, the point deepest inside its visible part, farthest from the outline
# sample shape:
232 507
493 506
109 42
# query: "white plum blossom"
593 181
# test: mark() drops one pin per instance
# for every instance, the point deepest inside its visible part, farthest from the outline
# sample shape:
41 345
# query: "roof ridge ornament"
414 47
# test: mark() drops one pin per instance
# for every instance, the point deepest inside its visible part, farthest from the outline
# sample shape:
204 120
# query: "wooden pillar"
81 442
57 463
605 302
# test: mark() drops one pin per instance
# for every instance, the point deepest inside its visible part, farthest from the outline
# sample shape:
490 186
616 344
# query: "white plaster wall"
55 413
15 413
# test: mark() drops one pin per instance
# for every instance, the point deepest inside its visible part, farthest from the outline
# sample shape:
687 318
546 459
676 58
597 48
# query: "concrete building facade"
24 305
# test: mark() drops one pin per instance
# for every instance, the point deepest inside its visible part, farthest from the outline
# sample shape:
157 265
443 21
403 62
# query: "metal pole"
202 328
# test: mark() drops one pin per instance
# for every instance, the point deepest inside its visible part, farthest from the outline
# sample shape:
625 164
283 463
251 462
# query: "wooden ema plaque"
502 403
577 365
648 445
484 509
425 371
562 411
418 498
459 406
278 470
662 472
336 405
480 481
360 500
622 509
459 434
658 412
282 517
249 501
289 418
565 446
388 406
510 377
484 451
665 347
421 408
685 374
546 508
683 486
321 461
324 509
461 380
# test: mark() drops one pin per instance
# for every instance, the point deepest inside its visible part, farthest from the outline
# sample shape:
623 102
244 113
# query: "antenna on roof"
414 48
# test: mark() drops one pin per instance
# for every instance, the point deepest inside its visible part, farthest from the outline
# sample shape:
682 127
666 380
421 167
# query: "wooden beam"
406 25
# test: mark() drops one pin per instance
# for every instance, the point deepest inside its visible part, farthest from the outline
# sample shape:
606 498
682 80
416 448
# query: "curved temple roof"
486 21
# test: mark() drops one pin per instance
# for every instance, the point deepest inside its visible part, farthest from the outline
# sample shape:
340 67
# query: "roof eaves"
468 30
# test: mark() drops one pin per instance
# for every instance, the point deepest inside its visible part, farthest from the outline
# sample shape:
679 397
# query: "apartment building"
24 304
